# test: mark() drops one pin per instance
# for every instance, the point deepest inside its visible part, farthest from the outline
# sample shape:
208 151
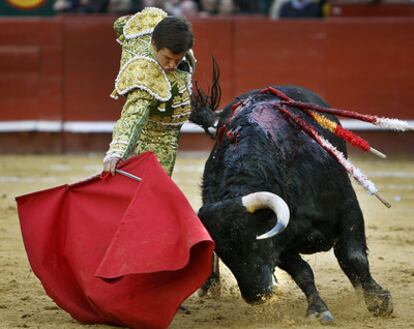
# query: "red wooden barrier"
63 69
366 65
30 69
90 64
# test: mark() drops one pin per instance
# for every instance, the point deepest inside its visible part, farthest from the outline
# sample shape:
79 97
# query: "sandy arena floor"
390 232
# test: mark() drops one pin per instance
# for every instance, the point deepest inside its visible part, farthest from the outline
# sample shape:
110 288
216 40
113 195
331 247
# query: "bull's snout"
256 298
258 289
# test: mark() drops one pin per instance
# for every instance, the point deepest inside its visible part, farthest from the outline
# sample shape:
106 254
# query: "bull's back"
262 150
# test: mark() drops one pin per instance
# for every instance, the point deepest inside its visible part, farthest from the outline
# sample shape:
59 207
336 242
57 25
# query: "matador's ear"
192 61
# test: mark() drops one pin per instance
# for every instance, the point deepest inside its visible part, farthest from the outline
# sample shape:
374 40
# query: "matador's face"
167 59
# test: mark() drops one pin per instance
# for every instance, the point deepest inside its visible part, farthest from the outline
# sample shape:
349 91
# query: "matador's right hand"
110 163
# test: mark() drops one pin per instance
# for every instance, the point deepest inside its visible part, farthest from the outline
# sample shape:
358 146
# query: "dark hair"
173 33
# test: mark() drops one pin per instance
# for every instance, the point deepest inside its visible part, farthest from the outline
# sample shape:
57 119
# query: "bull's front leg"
351 252
211 215
302 274
213 282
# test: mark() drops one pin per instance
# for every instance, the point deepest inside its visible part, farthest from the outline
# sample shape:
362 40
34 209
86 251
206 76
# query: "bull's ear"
215 91
220 214
201 113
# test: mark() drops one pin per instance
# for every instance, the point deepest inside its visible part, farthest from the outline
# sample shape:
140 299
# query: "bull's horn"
267 200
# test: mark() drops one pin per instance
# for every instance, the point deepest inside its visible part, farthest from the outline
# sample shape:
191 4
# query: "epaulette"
143 22
146 74
119 24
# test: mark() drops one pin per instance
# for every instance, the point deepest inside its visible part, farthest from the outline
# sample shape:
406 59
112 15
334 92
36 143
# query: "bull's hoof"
379 303
324 317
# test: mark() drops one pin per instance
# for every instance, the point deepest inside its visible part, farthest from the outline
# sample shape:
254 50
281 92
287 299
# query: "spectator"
301 9
209 7
226 7
275 8
253 7
152 3
63 6
80 6
120 7
98 6
189 9
173 7
68 6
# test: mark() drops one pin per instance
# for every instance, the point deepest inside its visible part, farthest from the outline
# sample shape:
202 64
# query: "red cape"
117 251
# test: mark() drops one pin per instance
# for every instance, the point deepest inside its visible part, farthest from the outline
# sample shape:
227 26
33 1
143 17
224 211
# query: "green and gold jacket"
157 102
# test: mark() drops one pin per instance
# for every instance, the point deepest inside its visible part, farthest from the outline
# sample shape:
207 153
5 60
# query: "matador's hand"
110 163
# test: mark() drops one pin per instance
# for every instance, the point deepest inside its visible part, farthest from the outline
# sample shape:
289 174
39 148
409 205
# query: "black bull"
257 149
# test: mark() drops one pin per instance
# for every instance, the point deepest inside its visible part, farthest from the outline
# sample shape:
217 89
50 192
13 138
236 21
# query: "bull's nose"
260 298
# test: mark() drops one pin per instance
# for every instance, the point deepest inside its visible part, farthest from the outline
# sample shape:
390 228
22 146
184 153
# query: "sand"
390 234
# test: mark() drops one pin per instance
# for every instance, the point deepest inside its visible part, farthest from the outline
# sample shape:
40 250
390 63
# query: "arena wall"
56 74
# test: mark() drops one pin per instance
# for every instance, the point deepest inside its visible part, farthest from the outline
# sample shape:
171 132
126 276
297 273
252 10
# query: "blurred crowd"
199 8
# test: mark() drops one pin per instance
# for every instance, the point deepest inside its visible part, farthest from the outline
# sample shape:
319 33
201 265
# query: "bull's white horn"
268 200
